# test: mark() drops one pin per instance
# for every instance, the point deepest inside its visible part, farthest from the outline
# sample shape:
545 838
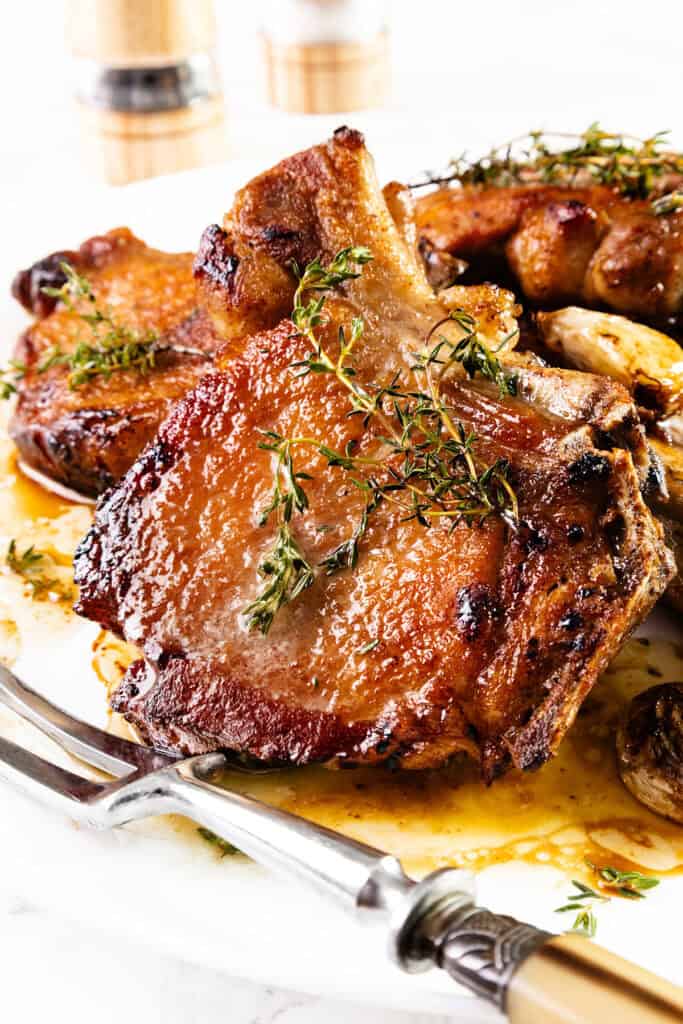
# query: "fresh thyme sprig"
668 203
345 556
631 885
288 494
9 378
112 347
629 165
33 566
317 278
284 569
471 352
422 461
583 901
287 574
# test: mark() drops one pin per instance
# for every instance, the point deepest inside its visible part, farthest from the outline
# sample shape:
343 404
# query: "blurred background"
97 93
428 77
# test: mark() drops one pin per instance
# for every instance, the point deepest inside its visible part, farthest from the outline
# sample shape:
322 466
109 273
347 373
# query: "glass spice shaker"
326 56
147 85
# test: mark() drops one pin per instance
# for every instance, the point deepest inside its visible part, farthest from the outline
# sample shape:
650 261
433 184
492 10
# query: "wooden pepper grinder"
147 85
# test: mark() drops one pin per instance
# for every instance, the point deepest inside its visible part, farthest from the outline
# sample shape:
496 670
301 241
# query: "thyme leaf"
287 574
225 848
345 556
9 378
288 494
630 884
471 352
668 203
583 902
34 567
585 923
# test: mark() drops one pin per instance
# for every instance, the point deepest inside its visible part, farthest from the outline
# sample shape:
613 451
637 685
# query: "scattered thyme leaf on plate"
223 847
35 568
632 885
582 903
629 884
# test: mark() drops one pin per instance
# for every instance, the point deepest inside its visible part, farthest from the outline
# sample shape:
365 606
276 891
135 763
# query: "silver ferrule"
482 950
147 90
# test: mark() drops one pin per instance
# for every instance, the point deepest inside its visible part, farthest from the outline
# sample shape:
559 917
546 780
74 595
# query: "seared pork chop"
483 637
585 245
86 438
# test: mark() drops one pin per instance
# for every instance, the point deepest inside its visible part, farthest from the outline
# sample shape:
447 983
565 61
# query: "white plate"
143 882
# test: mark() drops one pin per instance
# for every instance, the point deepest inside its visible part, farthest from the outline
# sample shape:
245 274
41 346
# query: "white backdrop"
499 64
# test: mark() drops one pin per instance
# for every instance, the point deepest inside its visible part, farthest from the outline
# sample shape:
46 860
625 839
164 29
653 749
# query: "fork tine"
111 754
45 781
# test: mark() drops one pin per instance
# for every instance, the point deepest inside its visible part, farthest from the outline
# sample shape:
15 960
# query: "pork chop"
86 438
483 637
563 245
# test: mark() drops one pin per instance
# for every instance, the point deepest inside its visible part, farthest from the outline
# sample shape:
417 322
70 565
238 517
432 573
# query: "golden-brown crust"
488 638
584 245
87 438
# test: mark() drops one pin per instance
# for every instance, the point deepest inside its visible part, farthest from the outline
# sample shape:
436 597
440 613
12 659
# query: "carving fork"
529 974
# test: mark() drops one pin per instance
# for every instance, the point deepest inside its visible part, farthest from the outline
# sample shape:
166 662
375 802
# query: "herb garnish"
34 567
471 352
620 161
668 203
287 574
423 462
583 902
225 848
112 347
284 568
629 884
9 378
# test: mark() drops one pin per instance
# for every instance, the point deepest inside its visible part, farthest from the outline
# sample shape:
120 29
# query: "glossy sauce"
575 807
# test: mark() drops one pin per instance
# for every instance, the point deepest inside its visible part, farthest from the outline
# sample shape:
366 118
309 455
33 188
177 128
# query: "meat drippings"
575 808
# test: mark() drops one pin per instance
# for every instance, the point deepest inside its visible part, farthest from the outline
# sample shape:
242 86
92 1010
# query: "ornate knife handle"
481 951
538 978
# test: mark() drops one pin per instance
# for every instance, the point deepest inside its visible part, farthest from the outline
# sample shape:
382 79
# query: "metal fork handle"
352 873
430 922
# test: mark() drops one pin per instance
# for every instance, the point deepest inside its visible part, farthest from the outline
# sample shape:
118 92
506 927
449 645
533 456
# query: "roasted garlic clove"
650 749
647 362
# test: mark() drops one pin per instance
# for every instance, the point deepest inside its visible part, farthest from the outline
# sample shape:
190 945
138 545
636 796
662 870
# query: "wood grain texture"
572 981
123 147
129 33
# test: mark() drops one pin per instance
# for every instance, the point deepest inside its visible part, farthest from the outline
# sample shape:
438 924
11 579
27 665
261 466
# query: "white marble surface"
52 970
526 65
